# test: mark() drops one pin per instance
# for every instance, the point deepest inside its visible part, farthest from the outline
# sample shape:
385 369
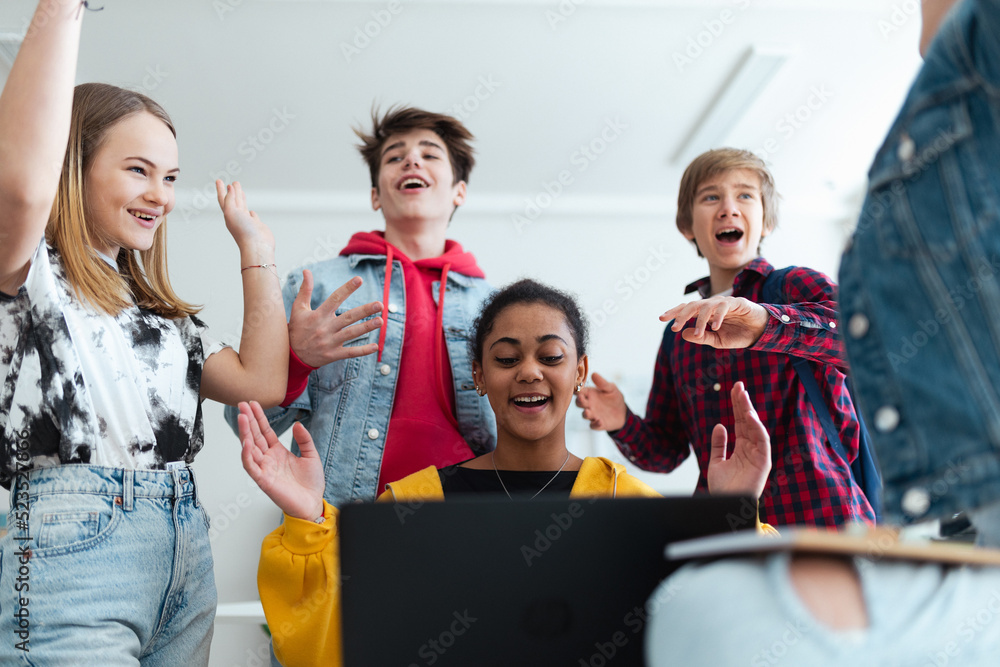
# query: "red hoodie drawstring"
385 300
439 342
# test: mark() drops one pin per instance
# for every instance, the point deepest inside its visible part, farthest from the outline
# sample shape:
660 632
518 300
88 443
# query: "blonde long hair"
142 275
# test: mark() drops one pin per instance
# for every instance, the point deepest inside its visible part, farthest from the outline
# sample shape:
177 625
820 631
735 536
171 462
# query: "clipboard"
871 543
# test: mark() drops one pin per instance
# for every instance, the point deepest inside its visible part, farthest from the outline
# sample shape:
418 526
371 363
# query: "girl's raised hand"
241 222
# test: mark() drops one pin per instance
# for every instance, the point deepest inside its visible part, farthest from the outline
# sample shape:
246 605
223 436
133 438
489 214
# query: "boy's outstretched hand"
603 404
720 321
745 472
294 483
318 336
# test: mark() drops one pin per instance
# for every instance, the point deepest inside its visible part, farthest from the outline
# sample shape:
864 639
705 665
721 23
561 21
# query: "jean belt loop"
178 480
128 490
20 478
194 488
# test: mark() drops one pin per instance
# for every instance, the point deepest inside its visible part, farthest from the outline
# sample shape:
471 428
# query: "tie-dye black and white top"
81 386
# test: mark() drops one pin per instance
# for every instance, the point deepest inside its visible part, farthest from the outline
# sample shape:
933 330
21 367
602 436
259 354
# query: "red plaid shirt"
809 482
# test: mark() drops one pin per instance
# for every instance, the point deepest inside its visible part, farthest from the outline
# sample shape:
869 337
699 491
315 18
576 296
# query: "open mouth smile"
729 235
145 219
530 402
413 183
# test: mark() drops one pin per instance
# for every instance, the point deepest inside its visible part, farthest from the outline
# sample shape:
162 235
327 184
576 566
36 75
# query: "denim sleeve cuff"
298 377
305 536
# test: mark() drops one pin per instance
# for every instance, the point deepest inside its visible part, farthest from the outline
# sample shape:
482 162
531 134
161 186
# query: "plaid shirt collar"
757 270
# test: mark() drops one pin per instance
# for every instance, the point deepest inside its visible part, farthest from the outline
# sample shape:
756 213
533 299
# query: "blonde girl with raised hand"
107 560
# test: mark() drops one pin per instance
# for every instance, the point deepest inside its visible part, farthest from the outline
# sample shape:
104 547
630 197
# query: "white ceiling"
227 69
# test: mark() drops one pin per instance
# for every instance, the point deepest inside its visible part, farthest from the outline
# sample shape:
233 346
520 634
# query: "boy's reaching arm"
805 326
656 442
603 405
724 322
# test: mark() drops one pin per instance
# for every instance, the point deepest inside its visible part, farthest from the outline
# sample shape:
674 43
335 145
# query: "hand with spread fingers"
294 483
746 471
318 336
603 405
720 321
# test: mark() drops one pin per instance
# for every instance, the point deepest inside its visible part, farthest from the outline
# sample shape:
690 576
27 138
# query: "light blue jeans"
103 566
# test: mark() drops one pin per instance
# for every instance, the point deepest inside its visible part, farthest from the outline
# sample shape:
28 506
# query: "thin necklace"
493 459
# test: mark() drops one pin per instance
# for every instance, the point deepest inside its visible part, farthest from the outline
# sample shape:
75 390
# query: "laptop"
483 581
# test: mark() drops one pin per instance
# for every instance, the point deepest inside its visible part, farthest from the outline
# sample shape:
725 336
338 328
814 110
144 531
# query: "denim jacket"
347 404
919 288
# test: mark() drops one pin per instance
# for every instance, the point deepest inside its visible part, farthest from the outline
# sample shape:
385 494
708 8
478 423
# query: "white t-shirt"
81 386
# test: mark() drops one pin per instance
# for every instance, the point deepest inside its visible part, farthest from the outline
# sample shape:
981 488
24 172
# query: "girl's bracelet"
262 266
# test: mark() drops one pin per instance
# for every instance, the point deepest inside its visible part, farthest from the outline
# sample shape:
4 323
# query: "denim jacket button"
857 325
907 149
886 418
385 369
372 433
393 308
916 501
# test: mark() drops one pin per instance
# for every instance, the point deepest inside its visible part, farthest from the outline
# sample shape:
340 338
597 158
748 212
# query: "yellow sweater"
299 573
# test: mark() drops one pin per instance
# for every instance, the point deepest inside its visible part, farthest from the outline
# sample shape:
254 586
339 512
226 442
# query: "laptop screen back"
483 582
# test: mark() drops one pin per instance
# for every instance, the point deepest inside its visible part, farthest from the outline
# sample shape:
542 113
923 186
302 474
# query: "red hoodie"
423 430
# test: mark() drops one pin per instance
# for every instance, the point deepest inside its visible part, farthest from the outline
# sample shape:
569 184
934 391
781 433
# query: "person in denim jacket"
392 393
919 296
919 283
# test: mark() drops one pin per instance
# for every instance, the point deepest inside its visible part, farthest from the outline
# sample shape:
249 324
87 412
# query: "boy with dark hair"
726 205
383 405
408 119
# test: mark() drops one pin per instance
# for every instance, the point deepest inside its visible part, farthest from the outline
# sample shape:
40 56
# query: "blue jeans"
104 566
920 284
